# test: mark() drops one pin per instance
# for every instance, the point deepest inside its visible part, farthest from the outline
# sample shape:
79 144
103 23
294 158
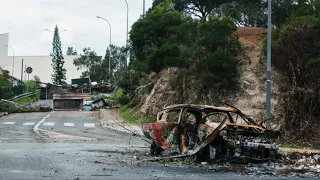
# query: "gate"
69 101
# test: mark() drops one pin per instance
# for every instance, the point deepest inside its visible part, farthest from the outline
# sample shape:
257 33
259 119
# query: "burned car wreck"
211 134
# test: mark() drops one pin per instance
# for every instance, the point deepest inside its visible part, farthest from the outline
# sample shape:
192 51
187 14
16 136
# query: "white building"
41 65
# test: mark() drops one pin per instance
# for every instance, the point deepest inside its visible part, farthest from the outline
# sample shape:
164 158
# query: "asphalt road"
72 145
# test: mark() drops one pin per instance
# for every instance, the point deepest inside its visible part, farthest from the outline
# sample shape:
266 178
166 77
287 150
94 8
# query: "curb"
297 150
2 114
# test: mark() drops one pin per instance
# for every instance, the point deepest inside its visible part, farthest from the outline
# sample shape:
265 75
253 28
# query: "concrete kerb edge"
2 114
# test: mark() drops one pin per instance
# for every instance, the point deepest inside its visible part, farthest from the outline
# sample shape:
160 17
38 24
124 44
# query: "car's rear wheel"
155 150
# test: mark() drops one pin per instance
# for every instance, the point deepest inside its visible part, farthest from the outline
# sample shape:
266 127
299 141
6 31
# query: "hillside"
178 85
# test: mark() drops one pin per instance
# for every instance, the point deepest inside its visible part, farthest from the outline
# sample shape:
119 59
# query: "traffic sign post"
29 71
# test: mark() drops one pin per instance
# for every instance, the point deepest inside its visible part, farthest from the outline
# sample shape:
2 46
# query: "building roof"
81 81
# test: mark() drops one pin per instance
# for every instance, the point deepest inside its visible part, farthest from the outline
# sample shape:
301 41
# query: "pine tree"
58 76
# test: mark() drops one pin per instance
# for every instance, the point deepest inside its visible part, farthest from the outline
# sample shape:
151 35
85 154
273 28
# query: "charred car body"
211 133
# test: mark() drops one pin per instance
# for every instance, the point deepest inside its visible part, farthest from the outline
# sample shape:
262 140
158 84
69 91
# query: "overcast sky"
25 21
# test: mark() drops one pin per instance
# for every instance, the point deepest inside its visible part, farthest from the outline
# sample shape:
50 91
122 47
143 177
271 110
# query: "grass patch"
133 116
29 99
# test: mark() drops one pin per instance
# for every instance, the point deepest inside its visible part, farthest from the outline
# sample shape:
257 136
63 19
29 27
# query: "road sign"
29 70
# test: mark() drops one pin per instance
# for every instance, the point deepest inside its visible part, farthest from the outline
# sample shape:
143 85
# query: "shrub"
127 80
30 86
3 81
221 66
132 115
119 98
297 55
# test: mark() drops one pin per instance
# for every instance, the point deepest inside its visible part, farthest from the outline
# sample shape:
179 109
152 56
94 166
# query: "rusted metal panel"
71 96
67 104
69 101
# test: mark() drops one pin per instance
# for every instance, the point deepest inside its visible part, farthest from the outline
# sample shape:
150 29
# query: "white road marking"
89 125
8 123
69 124
48 124
36 127
28 123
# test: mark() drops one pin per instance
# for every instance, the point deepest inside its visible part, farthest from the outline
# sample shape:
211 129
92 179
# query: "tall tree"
71 51
98 68
254 12
118 57
87 59
58 76
199 8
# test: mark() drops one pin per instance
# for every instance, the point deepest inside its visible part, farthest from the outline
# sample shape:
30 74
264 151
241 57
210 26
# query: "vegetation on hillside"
29 99
296 54
198 37
170 38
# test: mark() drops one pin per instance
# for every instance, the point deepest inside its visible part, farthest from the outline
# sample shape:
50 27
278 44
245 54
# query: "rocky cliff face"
174 85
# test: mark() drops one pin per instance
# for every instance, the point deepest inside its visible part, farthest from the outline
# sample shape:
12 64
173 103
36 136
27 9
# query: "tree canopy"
71 52
169 38
97 67
296 52
58 76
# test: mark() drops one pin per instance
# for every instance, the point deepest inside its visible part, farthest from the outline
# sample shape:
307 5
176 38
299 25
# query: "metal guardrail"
16 98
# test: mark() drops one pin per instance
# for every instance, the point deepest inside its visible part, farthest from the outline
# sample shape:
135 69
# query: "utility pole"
53 32
144 8
12 63
109 47
22 71
127 32
25 67
268 91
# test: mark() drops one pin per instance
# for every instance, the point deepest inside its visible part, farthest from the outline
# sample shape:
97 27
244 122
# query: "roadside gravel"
111 118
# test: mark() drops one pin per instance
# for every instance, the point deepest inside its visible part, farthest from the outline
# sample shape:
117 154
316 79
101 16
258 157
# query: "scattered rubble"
99 103
91 105
301 166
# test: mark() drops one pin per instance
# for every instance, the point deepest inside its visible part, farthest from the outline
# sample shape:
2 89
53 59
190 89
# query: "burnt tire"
202 155
155 150
206 154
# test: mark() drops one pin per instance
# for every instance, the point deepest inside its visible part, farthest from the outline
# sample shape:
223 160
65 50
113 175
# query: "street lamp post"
53 32
109 46
144 8
127 30
268 91
12 63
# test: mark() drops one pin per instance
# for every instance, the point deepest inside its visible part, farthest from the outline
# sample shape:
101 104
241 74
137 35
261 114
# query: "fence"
17 90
